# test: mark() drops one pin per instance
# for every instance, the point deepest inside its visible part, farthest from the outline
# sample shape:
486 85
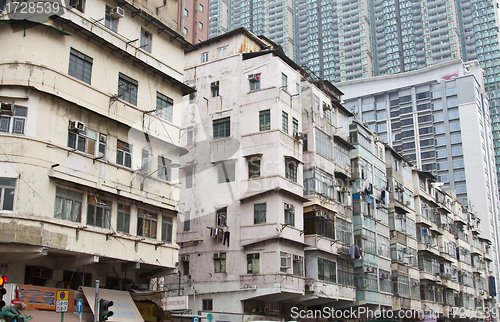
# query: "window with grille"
98 212
146 223
146 40
164 107
109 21
127 89
68 205
166 229
259 213
291 170
123 218
123 154
221 128
284 121
16 121
264 120
80 66
253 263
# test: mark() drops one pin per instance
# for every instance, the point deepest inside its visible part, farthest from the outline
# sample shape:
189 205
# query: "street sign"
79 305
196 319
62 301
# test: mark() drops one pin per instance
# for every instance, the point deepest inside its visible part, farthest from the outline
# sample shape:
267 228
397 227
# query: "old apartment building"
89 140
286 201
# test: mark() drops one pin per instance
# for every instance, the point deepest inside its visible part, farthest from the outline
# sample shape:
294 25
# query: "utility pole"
96 304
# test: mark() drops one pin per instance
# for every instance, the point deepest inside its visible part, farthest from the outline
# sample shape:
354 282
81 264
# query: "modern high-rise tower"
345 40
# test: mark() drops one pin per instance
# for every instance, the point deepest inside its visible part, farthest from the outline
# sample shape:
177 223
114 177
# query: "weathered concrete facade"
90 122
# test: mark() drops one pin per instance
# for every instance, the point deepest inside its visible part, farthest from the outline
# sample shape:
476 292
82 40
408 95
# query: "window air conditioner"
253 77
214 84
298 135
185 258
216 255
7 109
309 288
288 206
117 12
76 126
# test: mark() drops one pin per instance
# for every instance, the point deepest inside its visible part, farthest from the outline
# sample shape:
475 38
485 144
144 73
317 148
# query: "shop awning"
124 308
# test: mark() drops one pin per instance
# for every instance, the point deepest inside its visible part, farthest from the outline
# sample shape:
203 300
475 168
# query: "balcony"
329 291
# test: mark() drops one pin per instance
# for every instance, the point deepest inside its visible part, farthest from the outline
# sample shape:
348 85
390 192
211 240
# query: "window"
164 172
98 212
185 12
327 270
147 158
80 66
220 262
185 31
123 154
253 263
201 8
298 265
189 135
164 107
291 170
207 305
187 220
221 217
284 81
345 272
109 21
259 213
146 40
77 4
86 140
327 114
188 173
289 214
127 89
226 172
254 168
68 204
123 221
295 125
185 268
204 57
146 223
343 231
254 80
200 25
324 144
284 121
222 52
264 120
221 128
16 122
166 229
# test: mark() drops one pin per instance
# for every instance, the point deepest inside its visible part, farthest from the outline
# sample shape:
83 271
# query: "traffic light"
3 291
104 312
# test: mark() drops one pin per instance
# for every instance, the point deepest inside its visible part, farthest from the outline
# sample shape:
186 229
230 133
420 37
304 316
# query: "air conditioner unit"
309 287
216 255
407 203
76 126
298 135
416 283
288 206
185 258
7 109
214 84
368 269
254 77
296 257
117 12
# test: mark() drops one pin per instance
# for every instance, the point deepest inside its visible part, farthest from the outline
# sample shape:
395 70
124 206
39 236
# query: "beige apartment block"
90 114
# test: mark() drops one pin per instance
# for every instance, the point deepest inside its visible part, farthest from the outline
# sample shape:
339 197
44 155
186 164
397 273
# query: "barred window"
264 120
221 128
284 121
343 231
80 66
324 144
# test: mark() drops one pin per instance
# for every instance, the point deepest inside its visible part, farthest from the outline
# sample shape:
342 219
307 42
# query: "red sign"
16 302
